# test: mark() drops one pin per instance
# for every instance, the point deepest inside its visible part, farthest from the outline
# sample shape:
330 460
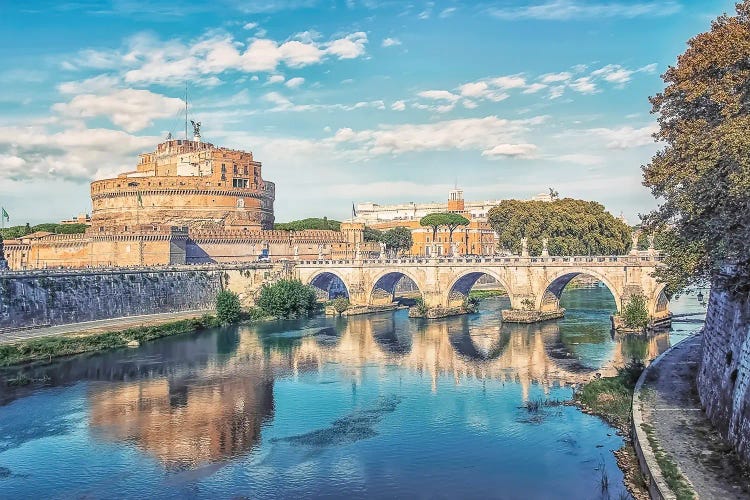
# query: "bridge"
532 283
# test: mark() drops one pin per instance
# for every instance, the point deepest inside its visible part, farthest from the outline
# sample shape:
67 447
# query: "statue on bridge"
382 250
524 247
320 251
545 252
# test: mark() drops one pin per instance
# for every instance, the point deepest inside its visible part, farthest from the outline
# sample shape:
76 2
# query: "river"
377 406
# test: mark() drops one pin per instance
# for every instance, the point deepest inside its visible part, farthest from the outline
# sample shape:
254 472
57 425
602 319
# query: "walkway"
670 404
101 325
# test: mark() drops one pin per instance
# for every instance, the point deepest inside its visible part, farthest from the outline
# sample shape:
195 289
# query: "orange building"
478 238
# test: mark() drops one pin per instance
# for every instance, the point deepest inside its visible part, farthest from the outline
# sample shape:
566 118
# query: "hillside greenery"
12 232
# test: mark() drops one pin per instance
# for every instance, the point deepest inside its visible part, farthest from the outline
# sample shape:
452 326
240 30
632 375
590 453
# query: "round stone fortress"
186 183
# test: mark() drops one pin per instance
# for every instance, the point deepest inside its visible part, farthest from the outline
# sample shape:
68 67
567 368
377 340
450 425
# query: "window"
240 183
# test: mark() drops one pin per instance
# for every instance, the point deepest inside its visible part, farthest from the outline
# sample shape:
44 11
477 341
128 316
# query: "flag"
5 215
354 211
140 200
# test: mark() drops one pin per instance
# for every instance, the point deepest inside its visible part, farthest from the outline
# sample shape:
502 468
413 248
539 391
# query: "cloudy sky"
342 100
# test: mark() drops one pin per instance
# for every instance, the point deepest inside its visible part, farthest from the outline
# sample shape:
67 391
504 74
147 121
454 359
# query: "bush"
287 299
635 314
340 304
228 309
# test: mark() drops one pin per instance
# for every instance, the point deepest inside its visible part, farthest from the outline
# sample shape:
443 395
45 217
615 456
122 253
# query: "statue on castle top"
196 129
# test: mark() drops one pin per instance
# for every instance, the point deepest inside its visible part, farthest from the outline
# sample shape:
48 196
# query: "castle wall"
28 299
724 377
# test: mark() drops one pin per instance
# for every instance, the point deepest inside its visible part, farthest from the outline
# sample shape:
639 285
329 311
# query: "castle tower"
456 200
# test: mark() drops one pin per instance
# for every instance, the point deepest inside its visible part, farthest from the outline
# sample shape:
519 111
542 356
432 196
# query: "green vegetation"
447 219
669 469
702 176
340 304
611 397
398 239
287 299
370 234
311 223
228 309
572 227
484 294
46 348
635 314
19 231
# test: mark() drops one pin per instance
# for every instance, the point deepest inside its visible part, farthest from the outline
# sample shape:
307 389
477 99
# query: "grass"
483 294
611 397
669 469
46 348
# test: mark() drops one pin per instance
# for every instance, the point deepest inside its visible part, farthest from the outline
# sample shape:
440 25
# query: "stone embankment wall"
724 377
55 298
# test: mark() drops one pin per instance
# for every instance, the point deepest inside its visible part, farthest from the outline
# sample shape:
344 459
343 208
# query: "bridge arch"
328 284
383 286
462 283
660 302
554 287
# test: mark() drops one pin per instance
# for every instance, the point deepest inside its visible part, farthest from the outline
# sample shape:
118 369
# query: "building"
372 213
187 202
478 238
84 219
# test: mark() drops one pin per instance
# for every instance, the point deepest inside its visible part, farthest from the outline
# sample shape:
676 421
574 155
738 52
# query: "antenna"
186 111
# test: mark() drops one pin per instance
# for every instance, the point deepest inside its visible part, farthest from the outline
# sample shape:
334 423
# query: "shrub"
228 309
340 304
635 314
286 299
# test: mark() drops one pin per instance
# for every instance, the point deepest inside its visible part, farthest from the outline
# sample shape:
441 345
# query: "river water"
377 406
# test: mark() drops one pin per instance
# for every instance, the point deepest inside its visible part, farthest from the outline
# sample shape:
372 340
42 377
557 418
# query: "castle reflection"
198 399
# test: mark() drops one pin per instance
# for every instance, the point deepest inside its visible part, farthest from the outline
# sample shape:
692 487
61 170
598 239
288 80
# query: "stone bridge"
532 283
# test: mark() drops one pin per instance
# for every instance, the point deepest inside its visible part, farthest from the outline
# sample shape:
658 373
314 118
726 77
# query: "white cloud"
398 106
447 12
509 82
473 89
626 137
556 77
533 88
295 82
439 95
391 42
147 60
580 158
511 150
564 10
95 84
275 79
480 134
79 153
130 109
556 91
584 85
250 26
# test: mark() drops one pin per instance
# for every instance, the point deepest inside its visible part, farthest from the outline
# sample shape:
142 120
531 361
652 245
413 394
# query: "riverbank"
681 450
611 399
53 346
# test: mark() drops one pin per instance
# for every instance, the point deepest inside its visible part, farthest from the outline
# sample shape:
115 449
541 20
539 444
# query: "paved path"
683 430
101 325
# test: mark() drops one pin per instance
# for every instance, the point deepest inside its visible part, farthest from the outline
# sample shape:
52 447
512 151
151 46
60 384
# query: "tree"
635 314
370 234
228 309
448 219
286 299
702 176
311 223
572 227
434 221
398 239
453 221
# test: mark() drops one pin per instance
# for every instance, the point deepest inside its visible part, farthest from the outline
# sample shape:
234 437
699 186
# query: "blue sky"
342 100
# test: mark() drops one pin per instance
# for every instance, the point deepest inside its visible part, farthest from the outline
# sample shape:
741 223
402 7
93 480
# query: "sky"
343 101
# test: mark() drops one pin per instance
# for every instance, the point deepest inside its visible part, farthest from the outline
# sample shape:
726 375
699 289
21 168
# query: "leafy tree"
398 239
448 219
340 304
635 314
228 309
19 231
572 227
370 234
286 299
452 221
434 221
702 176
311 223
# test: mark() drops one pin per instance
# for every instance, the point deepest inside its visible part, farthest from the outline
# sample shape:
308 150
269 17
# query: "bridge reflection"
199 399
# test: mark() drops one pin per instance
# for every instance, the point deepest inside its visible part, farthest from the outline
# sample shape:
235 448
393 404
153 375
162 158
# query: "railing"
133 269
491 259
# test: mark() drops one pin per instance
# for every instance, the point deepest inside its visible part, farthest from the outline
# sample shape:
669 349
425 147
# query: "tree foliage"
19 231
635 314
370 234
448 219
702 176
287 299
311 223
398 239
572 227
228 309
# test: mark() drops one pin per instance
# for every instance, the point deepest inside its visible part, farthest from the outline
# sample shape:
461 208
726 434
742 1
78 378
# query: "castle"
187 202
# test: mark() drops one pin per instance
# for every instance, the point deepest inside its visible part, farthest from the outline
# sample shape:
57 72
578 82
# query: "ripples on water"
375 406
